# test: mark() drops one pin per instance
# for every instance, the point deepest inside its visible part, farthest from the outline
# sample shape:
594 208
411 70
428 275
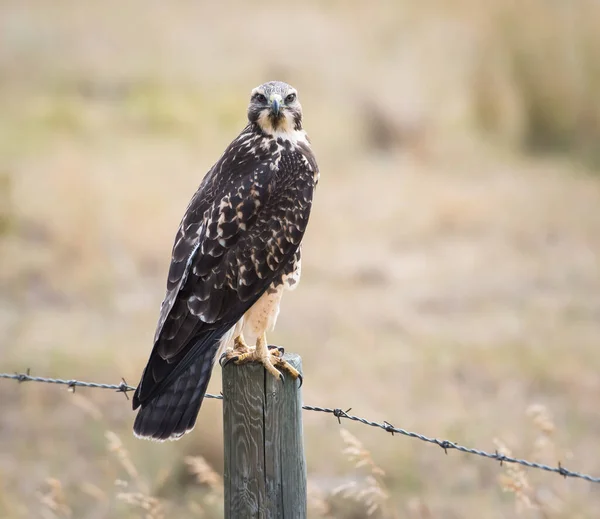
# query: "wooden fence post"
265 469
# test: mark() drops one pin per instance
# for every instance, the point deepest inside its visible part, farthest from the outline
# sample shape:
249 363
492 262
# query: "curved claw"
280 349
223 360
282 378
301 378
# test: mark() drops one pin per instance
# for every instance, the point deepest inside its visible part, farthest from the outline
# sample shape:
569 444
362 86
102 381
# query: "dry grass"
368 492
134 492
451 277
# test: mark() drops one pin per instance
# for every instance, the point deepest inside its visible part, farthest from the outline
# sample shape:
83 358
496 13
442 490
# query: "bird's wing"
240 230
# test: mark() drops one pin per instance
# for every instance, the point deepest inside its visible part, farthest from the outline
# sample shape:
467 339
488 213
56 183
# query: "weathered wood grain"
265 469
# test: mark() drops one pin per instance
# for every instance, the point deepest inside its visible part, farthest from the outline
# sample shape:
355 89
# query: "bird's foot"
232 354
240 347
276 350
272 362
284 365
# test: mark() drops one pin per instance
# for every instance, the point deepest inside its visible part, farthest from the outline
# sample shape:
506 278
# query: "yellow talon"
288 368
270 357
244 357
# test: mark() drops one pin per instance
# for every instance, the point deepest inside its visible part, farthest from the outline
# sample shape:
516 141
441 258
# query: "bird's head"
275 108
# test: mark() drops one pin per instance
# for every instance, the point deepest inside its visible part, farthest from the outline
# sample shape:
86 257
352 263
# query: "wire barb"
338 413
389 427
124 388
445 444
501 457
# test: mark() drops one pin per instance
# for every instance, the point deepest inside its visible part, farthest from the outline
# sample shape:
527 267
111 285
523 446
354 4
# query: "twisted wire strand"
340 414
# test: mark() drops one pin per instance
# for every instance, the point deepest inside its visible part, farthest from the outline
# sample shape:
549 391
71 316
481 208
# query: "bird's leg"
239 348
263 355
269 357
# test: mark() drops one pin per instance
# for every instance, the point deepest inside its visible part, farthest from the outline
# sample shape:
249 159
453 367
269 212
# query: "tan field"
451 270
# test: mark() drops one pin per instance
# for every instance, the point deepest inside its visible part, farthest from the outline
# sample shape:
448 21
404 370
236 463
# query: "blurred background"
451 271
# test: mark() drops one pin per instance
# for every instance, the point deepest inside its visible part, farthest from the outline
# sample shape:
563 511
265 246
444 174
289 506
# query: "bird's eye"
290 98
260 98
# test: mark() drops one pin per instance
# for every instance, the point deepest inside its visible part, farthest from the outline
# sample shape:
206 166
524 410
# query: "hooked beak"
275 104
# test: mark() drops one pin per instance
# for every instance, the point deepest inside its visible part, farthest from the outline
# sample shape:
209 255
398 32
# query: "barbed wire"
123 387
446 445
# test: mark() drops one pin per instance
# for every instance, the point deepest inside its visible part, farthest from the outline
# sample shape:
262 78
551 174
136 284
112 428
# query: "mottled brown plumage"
239 238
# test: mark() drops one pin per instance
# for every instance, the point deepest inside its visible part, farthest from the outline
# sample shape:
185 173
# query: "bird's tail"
172 413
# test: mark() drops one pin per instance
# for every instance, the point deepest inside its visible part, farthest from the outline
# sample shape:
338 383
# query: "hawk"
237 249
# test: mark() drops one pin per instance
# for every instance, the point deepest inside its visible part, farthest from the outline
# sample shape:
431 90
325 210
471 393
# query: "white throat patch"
285 129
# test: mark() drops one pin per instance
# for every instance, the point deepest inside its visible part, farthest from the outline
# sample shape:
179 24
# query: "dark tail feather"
172 413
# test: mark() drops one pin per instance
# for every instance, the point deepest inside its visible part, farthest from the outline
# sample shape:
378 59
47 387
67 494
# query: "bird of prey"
236 250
